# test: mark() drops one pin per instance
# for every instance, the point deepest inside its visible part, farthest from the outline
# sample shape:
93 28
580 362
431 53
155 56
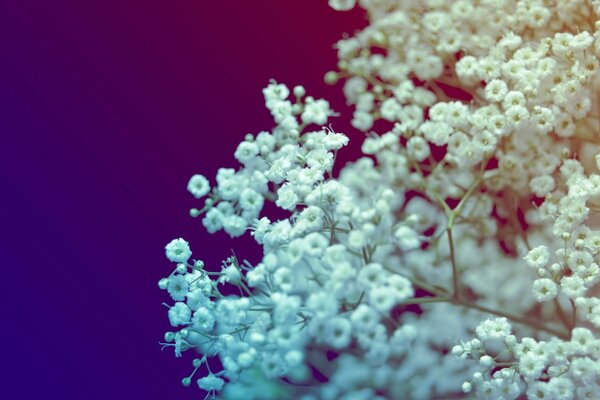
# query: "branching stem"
441 297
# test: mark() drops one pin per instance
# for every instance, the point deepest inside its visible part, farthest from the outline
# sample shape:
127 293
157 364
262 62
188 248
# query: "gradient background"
106 110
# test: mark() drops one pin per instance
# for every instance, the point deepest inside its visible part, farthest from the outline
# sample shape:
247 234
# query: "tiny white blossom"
573 286
179 314
210 383
246 152
203 320
198 186
496 90
537 257
178 287
178 250
544 289
338 332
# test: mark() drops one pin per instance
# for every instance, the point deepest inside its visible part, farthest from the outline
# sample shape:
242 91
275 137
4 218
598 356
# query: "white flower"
513 99
543 119
198 186
517 115
203 320
246 152
583 340
537 257
287 197
572 286
178 287
283 279
335 141
407 238
197 298
402 287
252 201
338 332
213 220
257 276
437 133
544 289
275 92
234 225
210 383
230 274
371 275
382 298
315 244
320 159
179 314
531 366
417 148
495 328
178 250
542 185
315 111
579 259
362 120
364 318
390 110
564 126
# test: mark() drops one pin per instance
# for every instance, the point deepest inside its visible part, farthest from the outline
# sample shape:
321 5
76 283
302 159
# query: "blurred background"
106 109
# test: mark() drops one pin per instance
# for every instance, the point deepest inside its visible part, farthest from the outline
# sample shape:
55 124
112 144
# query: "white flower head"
538 257
179 314
178 287
178 250
210 383
198 186
544 289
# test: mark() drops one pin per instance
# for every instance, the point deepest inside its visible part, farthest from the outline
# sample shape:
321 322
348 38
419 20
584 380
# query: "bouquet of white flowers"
458 257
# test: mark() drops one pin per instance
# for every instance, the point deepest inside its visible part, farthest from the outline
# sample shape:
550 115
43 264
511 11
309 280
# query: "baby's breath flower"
480 120
177 287
537 257
178 250
198 186
210 383
544 289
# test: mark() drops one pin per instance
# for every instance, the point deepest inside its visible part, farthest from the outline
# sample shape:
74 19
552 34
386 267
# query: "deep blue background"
106 110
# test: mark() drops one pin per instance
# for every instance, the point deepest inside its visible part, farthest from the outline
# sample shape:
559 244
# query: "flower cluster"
325 279
458 256
553 369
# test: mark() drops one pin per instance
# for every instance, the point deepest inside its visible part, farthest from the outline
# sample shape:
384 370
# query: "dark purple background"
106 110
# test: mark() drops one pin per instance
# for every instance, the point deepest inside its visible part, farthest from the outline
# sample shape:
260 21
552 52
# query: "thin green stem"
441 297
561 314
425 300
513 317
573 315
455 289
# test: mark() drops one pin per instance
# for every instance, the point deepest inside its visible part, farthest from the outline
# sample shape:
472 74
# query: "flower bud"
181 268
163 283
331 77
466 387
